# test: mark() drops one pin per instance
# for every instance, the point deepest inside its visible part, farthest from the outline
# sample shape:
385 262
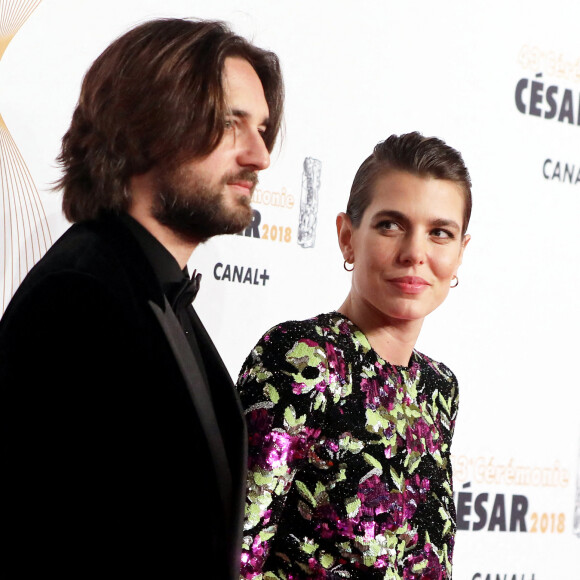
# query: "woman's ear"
344 232
464 243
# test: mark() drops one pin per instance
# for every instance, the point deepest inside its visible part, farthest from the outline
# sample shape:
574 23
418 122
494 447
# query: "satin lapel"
206 344
193 376
237 433
224 387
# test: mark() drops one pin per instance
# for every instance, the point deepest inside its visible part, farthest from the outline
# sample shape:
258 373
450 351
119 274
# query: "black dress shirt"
179 288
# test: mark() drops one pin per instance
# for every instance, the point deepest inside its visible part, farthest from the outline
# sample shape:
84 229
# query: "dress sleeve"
446 398
271 381
453 399
454 408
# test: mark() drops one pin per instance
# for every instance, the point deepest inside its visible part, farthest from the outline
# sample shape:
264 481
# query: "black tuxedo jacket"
116 457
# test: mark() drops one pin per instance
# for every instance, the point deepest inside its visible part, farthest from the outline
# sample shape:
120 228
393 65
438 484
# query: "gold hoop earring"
344 266
456 282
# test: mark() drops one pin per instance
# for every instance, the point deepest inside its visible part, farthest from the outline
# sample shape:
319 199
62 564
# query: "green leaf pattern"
349 469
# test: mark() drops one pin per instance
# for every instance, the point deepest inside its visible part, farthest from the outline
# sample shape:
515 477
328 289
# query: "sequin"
349 470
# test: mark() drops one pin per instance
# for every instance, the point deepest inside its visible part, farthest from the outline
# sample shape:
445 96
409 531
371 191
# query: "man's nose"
253 152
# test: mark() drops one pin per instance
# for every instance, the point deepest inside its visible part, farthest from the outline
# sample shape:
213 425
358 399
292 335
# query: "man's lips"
243 186
410 284
248 185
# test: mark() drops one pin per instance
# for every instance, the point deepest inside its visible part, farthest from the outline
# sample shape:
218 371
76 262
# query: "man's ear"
344 231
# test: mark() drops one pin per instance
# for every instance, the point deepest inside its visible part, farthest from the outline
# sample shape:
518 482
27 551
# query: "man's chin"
242 220
241 214
212 216
242 200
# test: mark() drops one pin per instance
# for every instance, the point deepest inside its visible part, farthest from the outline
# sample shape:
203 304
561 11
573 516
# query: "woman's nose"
413 249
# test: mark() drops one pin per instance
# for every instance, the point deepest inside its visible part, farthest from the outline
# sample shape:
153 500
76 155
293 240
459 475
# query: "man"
123 444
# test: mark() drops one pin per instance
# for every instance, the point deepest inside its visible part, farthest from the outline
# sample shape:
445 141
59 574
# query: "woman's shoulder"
312 357
432 366
317 342
329 328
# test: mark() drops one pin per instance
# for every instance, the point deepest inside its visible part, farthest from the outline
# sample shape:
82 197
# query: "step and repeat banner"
500 81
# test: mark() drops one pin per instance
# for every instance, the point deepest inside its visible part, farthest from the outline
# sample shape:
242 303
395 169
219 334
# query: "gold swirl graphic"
13 14
25 232
26 235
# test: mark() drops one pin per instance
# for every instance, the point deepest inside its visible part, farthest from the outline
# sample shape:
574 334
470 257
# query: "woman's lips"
410 284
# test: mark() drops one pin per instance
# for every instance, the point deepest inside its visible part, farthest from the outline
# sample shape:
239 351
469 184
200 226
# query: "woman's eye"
228 125
388 225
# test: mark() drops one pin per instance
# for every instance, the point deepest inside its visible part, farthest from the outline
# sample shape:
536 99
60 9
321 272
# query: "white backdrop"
478 75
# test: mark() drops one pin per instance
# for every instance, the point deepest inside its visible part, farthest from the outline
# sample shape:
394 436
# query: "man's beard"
195 210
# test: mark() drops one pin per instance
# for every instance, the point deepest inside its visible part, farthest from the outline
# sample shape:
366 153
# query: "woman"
349 426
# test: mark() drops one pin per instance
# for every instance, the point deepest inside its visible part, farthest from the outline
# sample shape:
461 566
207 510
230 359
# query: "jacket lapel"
194 380
232 415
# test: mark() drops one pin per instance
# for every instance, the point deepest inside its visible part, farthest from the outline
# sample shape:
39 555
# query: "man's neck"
175 245
140 210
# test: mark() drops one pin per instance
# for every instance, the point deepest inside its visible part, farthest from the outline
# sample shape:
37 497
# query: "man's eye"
443 234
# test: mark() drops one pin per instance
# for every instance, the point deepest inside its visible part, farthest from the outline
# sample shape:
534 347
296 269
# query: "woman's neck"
393 340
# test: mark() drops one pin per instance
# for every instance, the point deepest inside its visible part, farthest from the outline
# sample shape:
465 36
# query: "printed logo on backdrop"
562 171
550 90
503 576
495 496
279 230
491 496
25 232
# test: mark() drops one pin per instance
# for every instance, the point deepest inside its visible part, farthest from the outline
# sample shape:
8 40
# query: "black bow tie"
183 293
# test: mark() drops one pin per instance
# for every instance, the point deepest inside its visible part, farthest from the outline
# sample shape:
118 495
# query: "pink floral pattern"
349 470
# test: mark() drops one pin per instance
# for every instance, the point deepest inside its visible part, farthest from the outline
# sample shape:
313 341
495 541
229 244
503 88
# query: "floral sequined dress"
349 466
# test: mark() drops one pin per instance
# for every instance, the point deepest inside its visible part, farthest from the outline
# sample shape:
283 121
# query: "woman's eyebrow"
391 213
400 216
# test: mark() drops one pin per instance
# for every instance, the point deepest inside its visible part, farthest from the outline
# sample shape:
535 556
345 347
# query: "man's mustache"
245 175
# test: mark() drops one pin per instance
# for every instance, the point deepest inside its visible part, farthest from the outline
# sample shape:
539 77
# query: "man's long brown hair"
154 97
